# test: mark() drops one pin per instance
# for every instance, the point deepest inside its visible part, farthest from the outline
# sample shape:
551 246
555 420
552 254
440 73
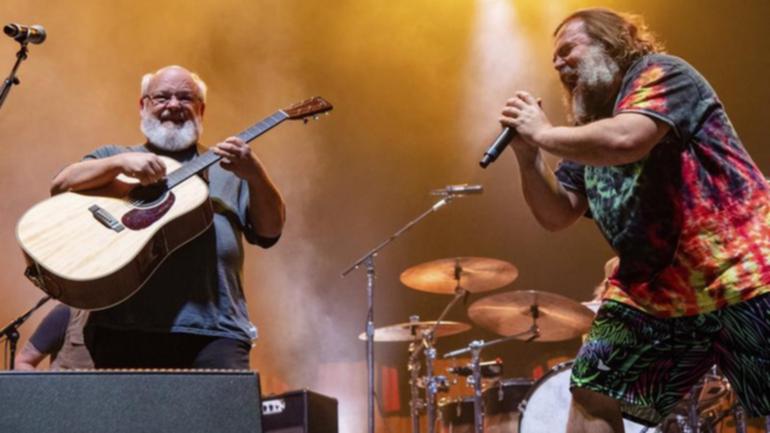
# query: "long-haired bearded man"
652 157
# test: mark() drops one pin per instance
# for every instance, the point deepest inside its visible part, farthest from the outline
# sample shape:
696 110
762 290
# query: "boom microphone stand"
448 194
11 331
12 80
23 35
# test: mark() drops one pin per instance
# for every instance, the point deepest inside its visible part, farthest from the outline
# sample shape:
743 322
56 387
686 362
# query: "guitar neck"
203 161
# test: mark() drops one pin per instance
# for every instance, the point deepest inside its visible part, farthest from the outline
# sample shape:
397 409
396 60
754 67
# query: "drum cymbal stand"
475 348
416 405
434 383
699 419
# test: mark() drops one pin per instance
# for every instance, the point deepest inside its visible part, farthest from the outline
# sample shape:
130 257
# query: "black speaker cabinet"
187 401
299 412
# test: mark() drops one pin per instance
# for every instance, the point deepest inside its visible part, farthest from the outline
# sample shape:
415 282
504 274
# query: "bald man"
192 312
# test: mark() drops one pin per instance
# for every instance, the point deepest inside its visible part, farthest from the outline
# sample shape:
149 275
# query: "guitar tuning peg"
305 120
315 117
326 113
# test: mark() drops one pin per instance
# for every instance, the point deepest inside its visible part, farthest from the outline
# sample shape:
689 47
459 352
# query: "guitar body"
94 249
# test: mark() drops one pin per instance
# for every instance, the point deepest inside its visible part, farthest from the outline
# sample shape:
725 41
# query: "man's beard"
168 135
591 97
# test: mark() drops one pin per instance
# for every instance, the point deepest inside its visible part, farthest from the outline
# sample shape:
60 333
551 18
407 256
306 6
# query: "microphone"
459 190
25 34
498 146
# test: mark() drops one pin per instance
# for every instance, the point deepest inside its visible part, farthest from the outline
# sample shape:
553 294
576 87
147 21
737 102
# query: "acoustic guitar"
94 249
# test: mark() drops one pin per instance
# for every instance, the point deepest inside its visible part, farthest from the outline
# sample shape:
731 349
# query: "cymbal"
411 331
476 274
510 313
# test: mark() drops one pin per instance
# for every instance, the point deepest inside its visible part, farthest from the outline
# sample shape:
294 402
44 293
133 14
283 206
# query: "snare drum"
546 407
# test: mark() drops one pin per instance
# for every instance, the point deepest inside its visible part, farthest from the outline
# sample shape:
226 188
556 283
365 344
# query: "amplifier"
125 401
301 411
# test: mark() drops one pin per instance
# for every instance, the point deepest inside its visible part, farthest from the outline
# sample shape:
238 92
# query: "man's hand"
523 112
147 168
237 157
266 208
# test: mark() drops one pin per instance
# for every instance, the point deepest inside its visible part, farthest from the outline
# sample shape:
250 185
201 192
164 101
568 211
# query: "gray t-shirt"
198 288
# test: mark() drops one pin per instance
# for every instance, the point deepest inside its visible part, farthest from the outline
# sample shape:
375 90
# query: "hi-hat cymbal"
475 274
411 331
558 318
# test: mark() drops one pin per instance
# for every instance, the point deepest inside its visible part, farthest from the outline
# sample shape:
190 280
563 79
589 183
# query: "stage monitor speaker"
299 412
186 401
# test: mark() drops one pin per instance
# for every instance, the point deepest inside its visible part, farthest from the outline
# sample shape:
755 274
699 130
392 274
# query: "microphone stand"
368 261
12 79
11 331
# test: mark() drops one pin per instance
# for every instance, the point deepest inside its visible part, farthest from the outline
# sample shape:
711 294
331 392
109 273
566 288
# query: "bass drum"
546 407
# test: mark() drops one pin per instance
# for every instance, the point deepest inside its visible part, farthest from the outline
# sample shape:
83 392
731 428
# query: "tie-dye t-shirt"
691 220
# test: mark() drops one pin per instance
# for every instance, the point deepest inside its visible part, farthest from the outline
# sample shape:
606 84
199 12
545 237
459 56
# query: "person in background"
60 337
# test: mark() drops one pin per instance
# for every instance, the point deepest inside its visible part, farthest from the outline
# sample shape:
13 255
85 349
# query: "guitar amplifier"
301 411
126 401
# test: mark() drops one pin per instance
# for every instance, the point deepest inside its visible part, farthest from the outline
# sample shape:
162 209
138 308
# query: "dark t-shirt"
691 220
198 288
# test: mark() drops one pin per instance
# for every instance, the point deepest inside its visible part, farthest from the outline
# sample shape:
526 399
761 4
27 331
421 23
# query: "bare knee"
594 412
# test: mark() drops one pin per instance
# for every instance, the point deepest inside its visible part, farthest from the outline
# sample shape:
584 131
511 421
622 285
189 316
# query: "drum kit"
520 404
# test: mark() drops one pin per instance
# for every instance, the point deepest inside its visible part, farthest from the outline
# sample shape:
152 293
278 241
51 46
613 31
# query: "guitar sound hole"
148 196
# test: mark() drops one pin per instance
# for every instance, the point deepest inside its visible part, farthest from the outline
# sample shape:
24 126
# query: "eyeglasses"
163 98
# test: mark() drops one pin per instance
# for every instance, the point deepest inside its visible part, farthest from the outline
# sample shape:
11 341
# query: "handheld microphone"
498 146
458 190
25 34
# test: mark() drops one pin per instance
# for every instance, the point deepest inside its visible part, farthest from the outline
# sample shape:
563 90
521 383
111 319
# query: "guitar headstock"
308 108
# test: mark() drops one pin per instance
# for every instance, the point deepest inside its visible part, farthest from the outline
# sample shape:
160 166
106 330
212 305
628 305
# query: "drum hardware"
700 406
416 404
489 369
475 348
458 276
421 336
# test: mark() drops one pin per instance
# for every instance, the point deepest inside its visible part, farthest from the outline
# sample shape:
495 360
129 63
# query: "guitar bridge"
105 218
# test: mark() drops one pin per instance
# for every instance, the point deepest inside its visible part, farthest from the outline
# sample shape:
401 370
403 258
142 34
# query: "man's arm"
622 139
553 206
93 173
267 211
28 358
46 340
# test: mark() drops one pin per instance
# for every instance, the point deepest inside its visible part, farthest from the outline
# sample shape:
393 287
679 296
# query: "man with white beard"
191 313
653 158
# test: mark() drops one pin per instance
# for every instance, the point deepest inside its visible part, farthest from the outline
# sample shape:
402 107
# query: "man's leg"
591 412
